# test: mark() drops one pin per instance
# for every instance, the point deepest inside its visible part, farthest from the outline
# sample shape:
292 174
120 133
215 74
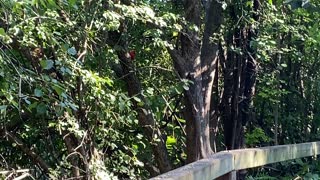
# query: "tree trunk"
239 82
197 63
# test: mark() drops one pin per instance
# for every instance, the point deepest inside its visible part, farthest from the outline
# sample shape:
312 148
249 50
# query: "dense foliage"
97 89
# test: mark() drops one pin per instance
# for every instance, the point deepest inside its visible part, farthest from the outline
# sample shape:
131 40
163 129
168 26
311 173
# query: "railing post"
230 176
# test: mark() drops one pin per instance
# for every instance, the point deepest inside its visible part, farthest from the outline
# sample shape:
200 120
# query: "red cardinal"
132 54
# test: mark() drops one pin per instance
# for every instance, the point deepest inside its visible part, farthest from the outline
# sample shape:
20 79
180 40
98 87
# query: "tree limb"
145 117
33 155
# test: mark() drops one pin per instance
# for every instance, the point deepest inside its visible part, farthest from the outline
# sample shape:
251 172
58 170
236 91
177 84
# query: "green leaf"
171 140
138 163
175 34
150 91
46 64
136 98
43 3
181 120
52 124
249 4
38 92
73 106
122 106
140 104
59 90
26 100
33 105
185 87
72 2
52 3
3 107
2 32
108 81
284 65
112 98
41 109
72 51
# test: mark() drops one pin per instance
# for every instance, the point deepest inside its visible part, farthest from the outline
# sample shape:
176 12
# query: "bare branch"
23 176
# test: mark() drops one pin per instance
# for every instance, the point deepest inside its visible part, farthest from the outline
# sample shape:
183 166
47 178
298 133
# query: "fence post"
230 176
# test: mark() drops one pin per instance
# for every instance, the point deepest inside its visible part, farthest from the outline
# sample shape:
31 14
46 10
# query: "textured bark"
227 95
239 83
72 154
197 63
214 108
209 57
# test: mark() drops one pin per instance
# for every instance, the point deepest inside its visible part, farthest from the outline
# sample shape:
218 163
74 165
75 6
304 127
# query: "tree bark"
209 57
72 154
239 82
197 63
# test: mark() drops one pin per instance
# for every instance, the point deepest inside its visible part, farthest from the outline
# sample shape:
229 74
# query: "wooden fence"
223 165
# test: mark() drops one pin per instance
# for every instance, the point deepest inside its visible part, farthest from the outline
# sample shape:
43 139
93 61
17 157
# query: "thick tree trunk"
209 59
226 104
197 63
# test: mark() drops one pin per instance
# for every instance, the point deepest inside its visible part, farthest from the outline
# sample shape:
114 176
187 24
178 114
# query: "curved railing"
224 164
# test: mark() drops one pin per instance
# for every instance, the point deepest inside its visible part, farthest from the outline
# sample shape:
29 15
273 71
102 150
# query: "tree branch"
145 117
178 62
33 156
74 160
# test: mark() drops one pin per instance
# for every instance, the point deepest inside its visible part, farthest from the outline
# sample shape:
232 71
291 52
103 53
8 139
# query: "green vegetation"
118 89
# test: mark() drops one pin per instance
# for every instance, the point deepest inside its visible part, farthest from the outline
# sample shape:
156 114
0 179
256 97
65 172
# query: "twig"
155 67
23 176
74 178
4 161
82 141
17 171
